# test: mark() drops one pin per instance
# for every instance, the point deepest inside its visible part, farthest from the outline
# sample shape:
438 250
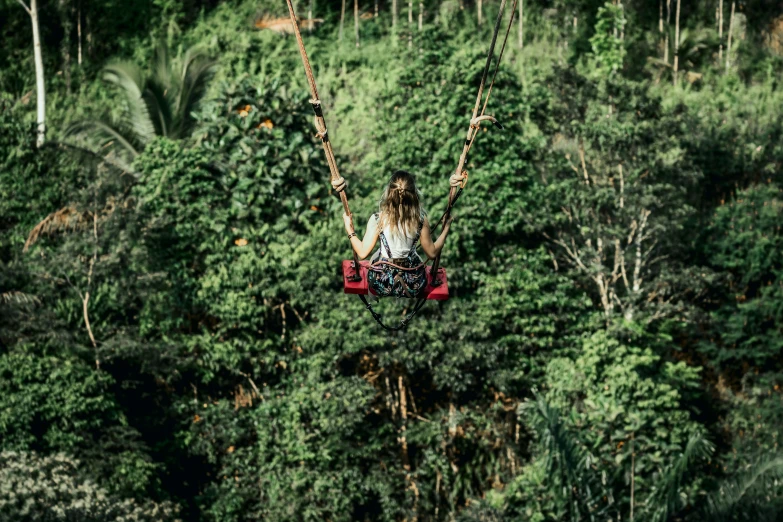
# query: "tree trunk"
65 46
421 14
720 30
342 21
88 30
676 41
622 31
410 23
731 30
356 20
40 88
310 24
479 8
521 34
633 473
79 32
666 40
394 13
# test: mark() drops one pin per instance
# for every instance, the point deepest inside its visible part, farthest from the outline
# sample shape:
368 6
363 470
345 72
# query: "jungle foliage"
174 340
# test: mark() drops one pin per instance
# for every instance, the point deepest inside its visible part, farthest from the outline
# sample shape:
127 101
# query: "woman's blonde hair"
400 206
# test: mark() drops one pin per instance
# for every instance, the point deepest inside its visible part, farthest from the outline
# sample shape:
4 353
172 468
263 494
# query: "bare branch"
26 8
253 384
86 299
582 159
634 226
282 315
554 259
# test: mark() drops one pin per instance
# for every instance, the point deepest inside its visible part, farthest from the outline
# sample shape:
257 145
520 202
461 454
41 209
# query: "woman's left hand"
348 221
339 184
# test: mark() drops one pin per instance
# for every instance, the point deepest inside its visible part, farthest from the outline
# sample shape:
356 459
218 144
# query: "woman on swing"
396 268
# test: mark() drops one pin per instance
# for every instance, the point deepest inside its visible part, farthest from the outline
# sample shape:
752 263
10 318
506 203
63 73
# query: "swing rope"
320 126
475 121
403 322
454 194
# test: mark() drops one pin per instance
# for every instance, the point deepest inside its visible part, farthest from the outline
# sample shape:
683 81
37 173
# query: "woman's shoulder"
373 220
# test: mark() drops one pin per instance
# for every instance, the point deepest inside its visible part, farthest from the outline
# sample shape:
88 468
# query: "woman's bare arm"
363 247
432 249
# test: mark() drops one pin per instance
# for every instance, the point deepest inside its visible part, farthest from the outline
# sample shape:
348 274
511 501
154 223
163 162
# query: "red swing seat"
436 293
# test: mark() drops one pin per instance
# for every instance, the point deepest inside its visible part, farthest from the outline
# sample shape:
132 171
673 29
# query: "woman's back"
400 242
396 269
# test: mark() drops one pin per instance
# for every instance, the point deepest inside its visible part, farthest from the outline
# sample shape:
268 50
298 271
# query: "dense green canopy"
174 340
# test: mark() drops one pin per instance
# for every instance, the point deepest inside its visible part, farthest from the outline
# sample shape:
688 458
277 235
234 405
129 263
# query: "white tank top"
399 244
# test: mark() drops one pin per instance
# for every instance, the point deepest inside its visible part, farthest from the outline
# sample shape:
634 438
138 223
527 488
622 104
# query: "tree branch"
29 12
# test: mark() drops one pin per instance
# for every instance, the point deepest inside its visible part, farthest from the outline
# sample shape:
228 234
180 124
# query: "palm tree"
752 494
160 103
576 475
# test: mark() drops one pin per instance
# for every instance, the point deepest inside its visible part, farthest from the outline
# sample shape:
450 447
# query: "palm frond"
197 71
748 495
15 297
111 159
161 68
128 77
105 133
278 25
665 499
158 101
570 465
63 219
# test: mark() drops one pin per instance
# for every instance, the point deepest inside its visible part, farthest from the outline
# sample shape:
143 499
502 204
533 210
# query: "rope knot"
339 184
316 103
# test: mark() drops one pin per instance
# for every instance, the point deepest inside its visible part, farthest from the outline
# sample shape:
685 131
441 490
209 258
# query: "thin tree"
410 23
66 10
356 20
666 40
88 34
40 90
622 28
521 29
342 20
79 31
479 9
720 30
394 13
731 30
676 40
310 17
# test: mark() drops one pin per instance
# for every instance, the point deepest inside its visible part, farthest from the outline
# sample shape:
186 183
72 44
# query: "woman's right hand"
456 179
348 222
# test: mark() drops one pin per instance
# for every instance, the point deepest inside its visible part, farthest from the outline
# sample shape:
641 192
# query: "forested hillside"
175 343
